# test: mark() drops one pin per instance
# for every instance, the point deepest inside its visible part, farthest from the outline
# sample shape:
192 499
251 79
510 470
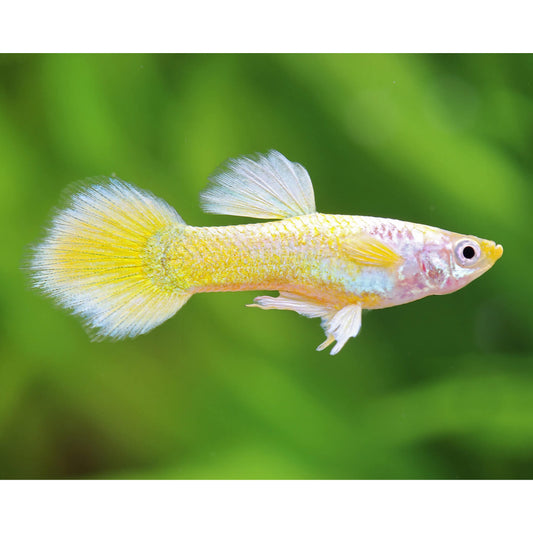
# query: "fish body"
308 255
126 261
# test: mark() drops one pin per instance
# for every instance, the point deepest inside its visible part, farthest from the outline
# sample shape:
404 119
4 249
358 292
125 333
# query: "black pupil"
468 252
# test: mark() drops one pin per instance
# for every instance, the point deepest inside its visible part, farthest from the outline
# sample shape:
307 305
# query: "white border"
273 26
265 506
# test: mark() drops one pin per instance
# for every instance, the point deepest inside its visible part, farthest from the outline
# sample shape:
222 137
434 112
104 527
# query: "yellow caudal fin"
96 259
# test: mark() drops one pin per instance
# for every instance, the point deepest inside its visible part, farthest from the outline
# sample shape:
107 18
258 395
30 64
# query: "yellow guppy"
125 261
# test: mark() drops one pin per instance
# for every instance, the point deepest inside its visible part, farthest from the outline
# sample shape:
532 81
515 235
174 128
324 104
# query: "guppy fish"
125 261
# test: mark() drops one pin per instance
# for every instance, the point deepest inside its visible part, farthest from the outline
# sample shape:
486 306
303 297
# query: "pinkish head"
451 260
439 262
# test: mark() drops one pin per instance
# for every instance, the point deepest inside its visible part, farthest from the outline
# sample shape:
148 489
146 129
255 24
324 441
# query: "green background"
440 388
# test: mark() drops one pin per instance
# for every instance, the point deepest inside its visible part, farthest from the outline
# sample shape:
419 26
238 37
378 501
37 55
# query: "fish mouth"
492 250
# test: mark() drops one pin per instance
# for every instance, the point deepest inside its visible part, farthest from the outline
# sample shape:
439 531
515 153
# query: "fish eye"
467 252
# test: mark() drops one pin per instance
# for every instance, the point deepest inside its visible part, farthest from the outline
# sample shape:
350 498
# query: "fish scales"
296 254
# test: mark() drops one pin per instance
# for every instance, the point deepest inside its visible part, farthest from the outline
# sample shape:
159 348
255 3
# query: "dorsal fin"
368 251
269 186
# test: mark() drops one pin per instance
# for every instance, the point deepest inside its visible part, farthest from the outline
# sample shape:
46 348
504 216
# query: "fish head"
454 260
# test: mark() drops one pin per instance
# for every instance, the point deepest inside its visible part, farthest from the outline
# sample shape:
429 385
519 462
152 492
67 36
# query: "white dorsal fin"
269 186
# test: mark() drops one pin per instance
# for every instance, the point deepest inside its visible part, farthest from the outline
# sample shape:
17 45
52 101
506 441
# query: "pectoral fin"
369 251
